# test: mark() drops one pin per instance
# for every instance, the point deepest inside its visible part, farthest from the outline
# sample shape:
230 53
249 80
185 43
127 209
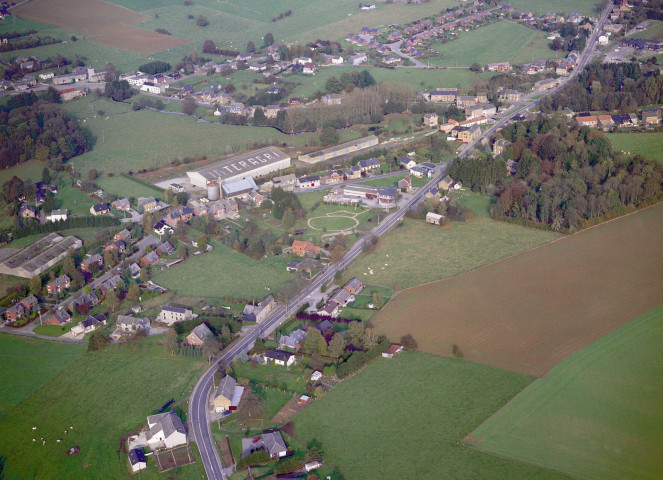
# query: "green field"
649 145
583 7
654 31
103 396
418 253
223 273
29 363
405 418
597 415
498 42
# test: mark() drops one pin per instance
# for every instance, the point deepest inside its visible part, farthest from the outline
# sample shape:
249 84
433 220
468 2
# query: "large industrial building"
39 256
338 150
251 164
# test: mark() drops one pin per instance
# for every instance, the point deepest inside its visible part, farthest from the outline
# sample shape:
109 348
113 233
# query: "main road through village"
198 402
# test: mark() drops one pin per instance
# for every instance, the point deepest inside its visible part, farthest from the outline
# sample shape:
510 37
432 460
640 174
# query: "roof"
167 422
100 207
293 338
246 162
325 326
274 442
239 187
128 320
136 455
202 332
226 387
355 283
278 355
168 308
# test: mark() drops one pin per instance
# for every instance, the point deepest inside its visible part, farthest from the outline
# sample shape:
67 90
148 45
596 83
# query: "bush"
289 465
256 458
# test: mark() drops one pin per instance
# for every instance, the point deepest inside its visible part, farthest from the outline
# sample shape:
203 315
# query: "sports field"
529 312
405 418
106 23
224 273
504 41
597 415
649 145
29 363
583 7
103 396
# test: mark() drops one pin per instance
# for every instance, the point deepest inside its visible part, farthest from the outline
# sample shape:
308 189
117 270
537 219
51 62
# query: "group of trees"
355 78
118 90
40 131
571 38
28 42
282 201
210 47
152 68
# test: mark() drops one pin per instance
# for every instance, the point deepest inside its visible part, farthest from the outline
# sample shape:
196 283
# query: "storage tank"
213 191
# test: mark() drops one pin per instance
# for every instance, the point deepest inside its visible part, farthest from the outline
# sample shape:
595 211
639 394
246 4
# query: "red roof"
66 90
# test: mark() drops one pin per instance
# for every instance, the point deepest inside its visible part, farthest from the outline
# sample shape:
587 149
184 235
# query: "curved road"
198 411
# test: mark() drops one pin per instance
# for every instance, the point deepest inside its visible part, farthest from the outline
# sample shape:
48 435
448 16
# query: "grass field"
583 7
404 417
600 409
103 396
529 312
223 273
654 31
498 42
28 364
417 252
649 145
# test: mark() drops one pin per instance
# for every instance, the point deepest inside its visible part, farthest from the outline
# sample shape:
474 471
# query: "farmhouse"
257 313
292 341
239 189
198 335
171 315
341 149
39 256
166 431
255 164
279 357
304 247
127 324
587 121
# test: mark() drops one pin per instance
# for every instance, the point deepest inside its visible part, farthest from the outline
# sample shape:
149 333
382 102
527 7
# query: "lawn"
503 41
583 7
104 396
418 253
649 145
292 377
223 273
28 364
600 410
29 172
653 31
406 417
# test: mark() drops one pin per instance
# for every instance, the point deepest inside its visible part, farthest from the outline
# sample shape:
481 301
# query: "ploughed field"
528 312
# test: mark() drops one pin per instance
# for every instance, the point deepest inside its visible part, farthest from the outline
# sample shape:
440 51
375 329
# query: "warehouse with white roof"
251 164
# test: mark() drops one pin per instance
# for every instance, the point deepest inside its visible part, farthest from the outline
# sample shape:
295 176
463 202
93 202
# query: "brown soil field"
106 23
528 312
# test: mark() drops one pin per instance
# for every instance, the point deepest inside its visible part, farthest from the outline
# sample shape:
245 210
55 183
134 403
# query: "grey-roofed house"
292 341
369 164
274 444
223 396
166 431
166 248
128 324
341 296
134 270
198 335
111 284
257 313
354 286
171 315
325 326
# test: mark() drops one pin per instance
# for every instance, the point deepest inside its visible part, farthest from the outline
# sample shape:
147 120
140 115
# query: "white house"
152 88
57 215
171 315
46 76
166 431
279 357
137 459
315 376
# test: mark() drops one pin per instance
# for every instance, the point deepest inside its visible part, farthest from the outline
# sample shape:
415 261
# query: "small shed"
434 218
393 350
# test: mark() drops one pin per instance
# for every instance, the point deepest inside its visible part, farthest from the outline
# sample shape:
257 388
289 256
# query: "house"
444 96
15 312
137 459
279 357
30 304
405 184
147 204
587 121
274 444
509 95
358 59
316 375
97 259
56 317
292 266
308 182
418 171
256 198
431 120
149 259
407 162
304 247
258 313
329 309
446 183
223 397
325 326
500 146
651 116
393 350
468 134
88 299
511 166
111 284
58 285
285 182
58 215
605 122
498 67
292 341
161 228
309 68
171 315
122 205
27 211
131 325
71 94
434 218
332 99
543 85
369 164
124 235
176 188
100 209
198 335
354 286
165 249
166 431
118 245
88 325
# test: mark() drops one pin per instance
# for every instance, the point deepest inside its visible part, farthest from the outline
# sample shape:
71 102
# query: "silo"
213 191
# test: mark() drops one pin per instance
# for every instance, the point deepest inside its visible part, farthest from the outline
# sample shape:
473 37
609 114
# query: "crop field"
28 364
498 42
649 145
106 23
215 274
600 410
103 396
529 312
583 7
382 422
418 253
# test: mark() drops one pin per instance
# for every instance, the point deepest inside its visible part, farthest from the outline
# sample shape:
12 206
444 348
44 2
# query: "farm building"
239 189
341 149
392 351
257 313
166 431
254 164
39 256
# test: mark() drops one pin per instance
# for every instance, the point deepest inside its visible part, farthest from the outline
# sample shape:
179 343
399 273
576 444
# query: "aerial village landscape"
331 240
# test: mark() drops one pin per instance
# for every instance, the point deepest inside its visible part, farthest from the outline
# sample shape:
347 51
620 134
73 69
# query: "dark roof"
325 326
173 309
136 456
100 207
278 355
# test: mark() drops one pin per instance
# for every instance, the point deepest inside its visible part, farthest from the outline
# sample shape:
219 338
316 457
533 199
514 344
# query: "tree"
288 219
370 339
134 291
259 346
170 342
52 95
250 47
315 450
182 198
356 332
329 136
92 174
68 265
337 345
365 79
259 117
169 196
312 340
35 284
49 203
334 85
268 39
147 221
317 393
475 67
202 21
97 341
337 254
211 347
110 258
46 175
188 105
181 249
202 242
408 342
111 300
